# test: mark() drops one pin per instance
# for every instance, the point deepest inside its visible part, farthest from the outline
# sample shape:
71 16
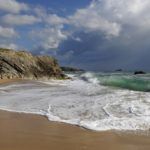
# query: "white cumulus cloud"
11 19
48 38
7 32
54 19
12 6
9 46
110 16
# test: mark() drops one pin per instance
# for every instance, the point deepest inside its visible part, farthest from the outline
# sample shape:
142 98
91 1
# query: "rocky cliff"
21 64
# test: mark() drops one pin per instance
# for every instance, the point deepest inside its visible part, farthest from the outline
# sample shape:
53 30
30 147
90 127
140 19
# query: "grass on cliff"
4 50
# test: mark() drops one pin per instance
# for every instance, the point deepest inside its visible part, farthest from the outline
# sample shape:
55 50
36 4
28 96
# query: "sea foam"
82 101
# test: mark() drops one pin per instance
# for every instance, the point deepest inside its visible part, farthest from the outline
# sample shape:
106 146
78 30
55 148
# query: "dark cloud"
95 52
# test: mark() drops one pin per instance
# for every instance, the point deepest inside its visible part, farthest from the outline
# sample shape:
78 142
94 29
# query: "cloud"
95 52
50 18
112 16
124 12
7 36
9 46
129 36
54 19
12 6
11 19
48 38
7 32
89 20
51 34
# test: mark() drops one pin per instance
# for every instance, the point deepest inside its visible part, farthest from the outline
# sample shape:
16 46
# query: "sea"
96 101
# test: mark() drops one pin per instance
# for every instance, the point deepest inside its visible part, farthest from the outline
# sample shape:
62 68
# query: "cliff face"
21 64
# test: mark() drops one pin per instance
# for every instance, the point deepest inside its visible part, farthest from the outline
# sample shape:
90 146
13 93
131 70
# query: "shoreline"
27 131
35 132
8 81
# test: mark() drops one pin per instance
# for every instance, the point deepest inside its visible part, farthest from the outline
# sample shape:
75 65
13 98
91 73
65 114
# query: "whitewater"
96 101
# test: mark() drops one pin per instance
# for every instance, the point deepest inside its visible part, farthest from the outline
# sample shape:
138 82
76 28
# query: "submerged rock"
22 64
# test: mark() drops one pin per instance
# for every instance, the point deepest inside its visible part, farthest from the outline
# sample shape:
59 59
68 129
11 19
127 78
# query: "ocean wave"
128 81
82 101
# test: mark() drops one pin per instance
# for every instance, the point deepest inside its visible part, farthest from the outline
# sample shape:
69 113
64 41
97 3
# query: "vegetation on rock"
22 64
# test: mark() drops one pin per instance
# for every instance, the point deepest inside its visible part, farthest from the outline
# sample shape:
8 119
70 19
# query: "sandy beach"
33 132
8 81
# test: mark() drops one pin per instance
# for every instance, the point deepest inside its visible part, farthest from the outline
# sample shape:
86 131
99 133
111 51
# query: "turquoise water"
131 83
121 80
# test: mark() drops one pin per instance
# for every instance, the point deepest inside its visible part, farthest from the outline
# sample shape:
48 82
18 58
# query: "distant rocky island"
71 69
135 72
139 72
22 64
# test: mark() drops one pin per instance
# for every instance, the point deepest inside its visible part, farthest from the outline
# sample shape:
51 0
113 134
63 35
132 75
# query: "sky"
96 35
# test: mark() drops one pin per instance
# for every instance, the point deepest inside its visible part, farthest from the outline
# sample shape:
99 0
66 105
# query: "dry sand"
33 132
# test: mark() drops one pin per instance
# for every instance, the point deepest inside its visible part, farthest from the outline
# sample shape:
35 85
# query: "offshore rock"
139 72
71 69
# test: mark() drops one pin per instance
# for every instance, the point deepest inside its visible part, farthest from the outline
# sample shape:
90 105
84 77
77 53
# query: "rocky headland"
71 69
24 65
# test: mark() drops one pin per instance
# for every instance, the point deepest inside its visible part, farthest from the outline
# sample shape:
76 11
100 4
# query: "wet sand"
33 132
8 81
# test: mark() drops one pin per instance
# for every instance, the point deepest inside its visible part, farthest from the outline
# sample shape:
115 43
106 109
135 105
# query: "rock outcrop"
21 64
71 69
118 70
139 72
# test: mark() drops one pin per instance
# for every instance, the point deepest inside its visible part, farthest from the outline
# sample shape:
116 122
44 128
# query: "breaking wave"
128 81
